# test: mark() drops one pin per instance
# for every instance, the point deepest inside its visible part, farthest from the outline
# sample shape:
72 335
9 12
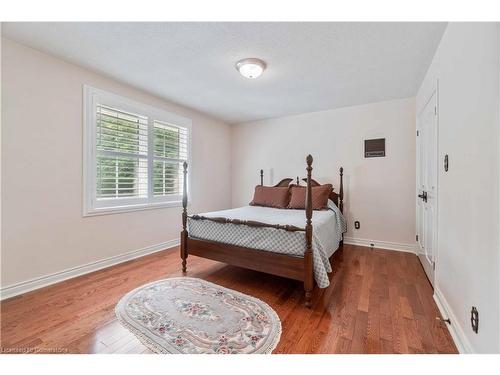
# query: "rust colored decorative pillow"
268 196
320 196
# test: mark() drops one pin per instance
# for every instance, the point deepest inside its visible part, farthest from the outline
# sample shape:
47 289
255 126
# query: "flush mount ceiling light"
251 68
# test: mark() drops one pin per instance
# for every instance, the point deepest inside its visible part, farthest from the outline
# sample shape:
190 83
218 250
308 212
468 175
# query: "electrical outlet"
357 225
474 319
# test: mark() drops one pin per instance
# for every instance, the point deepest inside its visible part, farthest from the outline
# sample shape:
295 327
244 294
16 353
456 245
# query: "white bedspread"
328 226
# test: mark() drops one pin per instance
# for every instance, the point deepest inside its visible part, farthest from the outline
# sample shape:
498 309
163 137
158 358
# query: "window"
170 151
133 154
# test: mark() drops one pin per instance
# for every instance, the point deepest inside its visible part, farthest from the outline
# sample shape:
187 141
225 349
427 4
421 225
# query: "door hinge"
435 111
416 238
417 133
433 266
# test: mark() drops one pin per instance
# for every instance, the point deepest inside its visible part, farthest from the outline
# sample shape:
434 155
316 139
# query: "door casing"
429 265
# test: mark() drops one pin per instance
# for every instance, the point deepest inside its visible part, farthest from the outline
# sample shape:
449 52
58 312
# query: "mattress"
328 227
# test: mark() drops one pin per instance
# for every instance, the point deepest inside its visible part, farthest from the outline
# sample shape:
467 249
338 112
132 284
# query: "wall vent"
374 148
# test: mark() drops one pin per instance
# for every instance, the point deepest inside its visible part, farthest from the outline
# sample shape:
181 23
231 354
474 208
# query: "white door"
427 158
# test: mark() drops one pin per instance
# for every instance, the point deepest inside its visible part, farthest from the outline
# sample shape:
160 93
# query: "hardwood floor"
378 302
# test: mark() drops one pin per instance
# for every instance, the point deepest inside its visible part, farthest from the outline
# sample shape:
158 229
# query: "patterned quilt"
328 227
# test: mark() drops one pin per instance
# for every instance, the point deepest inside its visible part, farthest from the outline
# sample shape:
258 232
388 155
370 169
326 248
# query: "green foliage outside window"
122 147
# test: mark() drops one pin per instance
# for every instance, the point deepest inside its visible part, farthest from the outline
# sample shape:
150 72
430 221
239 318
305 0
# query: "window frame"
91 207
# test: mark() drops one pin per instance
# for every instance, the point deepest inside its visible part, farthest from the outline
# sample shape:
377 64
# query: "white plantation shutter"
122 154
170 152
133 154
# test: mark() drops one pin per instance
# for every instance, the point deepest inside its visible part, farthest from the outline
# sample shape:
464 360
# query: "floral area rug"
185 315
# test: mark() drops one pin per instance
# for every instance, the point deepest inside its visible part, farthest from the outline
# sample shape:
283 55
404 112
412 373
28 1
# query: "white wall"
0 147
379 192
43 229
498 176
467 271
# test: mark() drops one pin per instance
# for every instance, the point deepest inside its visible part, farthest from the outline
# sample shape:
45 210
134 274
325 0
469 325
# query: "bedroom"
158 191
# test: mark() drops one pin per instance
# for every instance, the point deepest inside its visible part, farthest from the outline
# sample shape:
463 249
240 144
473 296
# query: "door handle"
423 196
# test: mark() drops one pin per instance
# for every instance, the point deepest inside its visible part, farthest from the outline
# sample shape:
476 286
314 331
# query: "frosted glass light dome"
251 68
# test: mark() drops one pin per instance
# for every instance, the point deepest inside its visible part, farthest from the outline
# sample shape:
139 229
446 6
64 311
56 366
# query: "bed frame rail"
250 223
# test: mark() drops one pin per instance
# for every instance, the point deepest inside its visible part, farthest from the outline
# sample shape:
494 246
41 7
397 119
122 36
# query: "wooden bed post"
341 191
308 256
261 177
184 233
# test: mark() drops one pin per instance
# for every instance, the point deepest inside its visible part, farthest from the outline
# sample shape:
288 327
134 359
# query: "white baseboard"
40 282
408 248
457 333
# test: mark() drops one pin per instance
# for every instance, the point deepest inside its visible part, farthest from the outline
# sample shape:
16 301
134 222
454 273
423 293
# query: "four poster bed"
270 240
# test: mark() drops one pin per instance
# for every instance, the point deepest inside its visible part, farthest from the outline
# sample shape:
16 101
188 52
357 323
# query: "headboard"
337 198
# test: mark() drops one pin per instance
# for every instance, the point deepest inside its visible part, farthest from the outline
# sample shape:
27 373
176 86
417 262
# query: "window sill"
130 208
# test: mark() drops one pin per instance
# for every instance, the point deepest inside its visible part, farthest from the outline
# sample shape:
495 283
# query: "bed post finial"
261 177
341 191
184 233
308 256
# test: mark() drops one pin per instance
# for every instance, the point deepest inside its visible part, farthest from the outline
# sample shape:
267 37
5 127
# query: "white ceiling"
311 66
